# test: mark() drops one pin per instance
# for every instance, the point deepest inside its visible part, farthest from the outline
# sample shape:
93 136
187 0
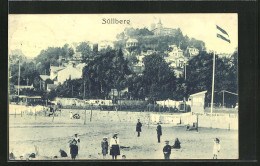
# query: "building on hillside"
115 93
104 44
140 60
159 30
126 53
224 55
178 72
24 87
176 51
176 60
51 87
43 81
148 52
131 43
54 71
192 51
138 69
70 72
80 66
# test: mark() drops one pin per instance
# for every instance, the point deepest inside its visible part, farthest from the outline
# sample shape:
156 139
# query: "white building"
131 43
192 51
69 72
159 30
104 44
176 51
176 58
54 71
148 52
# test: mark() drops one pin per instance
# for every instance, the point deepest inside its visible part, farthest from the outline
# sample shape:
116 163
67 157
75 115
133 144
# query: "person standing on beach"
216 148
71 116
167 150
138 127
114 146
104 146
73 150
76 138
159 132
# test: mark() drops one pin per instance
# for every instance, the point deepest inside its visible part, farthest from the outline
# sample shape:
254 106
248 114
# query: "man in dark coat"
73 150
167 150
159 132
138 127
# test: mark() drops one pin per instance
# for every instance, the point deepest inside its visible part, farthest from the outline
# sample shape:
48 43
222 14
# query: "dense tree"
28 73
70 89
158 78
199 77
67 52
200 45
85 50
51 56
107 71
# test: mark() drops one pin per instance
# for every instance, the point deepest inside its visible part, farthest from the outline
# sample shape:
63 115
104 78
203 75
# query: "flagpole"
212 93
19 79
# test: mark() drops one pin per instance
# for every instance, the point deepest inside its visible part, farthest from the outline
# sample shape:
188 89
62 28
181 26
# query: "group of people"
115 148
177 144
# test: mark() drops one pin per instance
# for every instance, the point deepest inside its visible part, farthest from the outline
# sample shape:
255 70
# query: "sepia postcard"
123 86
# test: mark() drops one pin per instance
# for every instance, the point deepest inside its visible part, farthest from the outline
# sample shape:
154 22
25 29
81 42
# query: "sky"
34 32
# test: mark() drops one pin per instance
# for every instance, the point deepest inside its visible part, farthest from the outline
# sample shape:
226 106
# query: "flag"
223 34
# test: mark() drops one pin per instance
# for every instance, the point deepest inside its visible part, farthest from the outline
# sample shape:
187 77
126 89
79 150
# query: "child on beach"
123 157
104 146
71 116
167 150
114 146
216 148
177 144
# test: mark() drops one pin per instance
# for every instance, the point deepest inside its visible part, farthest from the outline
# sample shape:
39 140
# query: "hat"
104 137
167 141
115 134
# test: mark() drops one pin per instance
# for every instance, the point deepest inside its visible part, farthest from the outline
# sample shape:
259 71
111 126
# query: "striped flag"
223 34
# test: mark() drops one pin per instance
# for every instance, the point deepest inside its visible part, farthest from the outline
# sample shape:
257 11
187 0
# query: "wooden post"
197 122
229 122
85 117
53 116
21 113
149 120
212 93
91 113
15 113
223 99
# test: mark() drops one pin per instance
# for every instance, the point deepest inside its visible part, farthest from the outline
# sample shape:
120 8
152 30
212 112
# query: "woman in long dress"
114 146
216 148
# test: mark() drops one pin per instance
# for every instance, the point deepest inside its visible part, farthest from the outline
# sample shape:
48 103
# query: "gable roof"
51 86
199 93
44 77
56 68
